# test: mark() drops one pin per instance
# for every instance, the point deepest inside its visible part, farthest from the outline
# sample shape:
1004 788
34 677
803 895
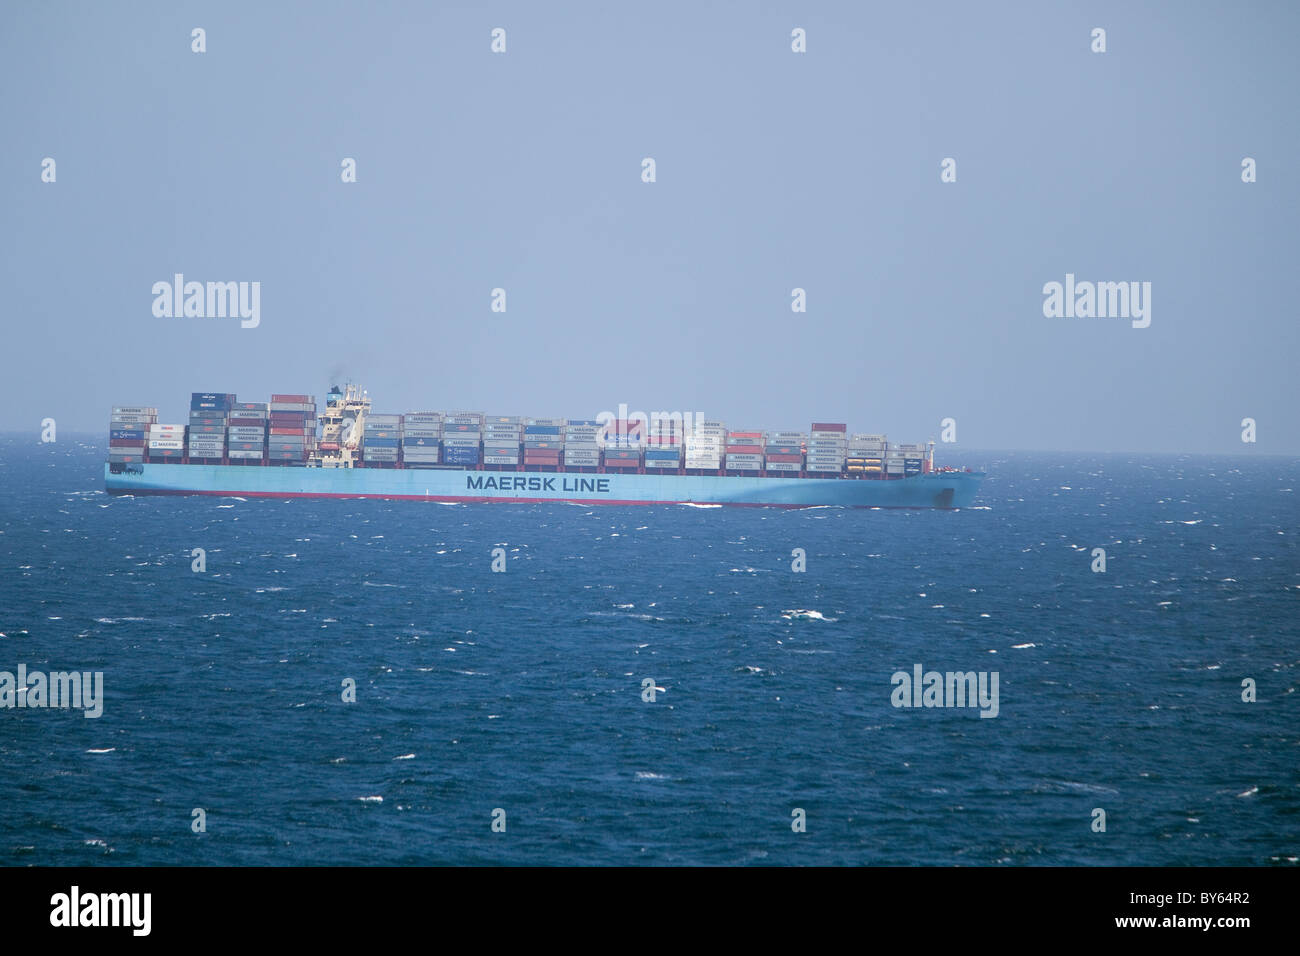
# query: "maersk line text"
535 483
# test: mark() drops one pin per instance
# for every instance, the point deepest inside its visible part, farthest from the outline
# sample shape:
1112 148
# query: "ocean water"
521 691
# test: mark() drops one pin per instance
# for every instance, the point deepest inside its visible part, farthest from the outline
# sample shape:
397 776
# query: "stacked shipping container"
544 441
283 431
246 433
462 436
664 444
905 460
704 446
582 443
784 452
128 433
827 447
292 421
623 440
421 439
866 455
381 440
745 451
502 439
206 434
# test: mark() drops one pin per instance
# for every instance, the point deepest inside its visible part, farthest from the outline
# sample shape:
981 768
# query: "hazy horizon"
775 171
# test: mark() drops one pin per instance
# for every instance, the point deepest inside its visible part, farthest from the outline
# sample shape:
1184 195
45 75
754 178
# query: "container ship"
282 449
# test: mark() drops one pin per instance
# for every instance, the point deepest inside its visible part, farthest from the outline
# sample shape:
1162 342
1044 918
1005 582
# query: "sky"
774 171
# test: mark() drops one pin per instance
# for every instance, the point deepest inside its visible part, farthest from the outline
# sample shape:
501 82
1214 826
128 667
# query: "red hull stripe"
505 501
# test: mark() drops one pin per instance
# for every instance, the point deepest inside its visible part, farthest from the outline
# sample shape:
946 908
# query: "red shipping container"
744 449
126 443
278 430
824 427
292 399
756 436
788 459
622 463
246 422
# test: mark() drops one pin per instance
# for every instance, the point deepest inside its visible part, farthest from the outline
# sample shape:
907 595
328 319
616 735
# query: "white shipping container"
166 443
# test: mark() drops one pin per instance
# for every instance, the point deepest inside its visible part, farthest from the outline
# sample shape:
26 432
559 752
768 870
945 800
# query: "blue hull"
940 490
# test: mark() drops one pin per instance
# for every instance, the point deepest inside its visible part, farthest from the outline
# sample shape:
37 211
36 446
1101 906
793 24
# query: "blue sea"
518 696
